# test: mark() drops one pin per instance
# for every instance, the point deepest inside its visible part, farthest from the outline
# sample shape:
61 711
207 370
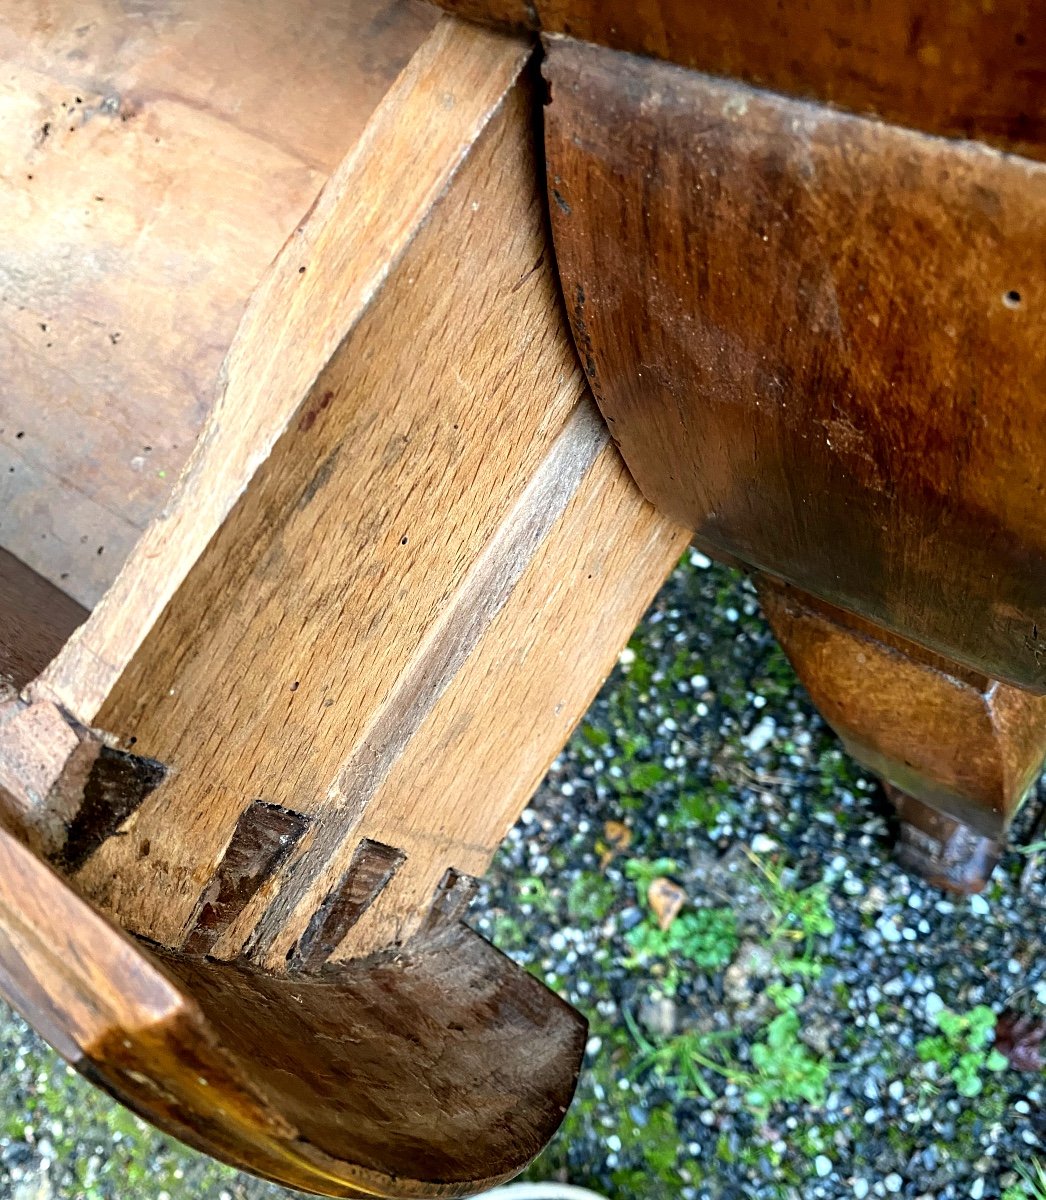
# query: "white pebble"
933 1005
861 1188
823 1166
761 844
893 1182
980 908
699 560
896 1090
627 657
977 1189
761 736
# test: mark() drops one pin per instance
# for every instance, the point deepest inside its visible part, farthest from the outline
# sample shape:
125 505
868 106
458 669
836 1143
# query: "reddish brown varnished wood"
958 750
281 1075
963 69
820 341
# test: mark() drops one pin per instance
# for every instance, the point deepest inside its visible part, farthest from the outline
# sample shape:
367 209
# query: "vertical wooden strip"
263 838
372 866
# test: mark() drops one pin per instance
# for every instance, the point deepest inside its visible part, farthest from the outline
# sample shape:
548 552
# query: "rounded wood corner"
438 1068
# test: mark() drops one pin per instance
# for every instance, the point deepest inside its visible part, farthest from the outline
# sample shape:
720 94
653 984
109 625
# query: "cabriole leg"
956 750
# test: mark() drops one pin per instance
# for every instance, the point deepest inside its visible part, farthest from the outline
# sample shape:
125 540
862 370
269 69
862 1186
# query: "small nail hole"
1012 299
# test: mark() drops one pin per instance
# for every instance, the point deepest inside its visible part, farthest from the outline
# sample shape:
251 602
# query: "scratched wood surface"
283 1076
820 341
964 69
422 587
401 559
155 159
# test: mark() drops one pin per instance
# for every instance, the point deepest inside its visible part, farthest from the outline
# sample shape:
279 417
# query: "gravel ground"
776 1041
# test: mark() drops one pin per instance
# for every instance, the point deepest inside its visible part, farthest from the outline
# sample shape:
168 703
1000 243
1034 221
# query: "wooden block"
964 69
954 741
402 558
819 341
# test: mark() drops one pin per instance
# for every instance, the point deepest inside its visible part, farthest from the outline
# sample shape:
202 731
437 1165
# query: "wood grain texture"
402 559
820 342
961 743
393 631
155 159
36 620
65 789
963 69
319 287
436 1071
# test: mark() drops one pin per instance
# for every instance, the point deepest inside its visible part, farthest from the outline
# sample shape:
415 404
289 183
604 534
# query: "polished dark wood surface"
954 740
820 341
961 69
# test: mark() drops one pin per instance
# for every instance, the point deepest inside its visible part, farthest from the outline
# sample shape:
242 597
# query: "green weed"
963 1048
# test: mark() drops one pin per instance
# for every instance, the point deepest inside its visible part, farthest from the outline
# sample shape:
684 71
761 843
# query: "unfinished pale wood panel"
451 797
348 590
318 289
155 160
426 427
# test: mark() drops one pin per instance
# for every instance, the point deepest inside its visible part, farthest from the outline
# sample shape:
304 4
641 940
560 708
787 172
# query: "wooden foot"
956 750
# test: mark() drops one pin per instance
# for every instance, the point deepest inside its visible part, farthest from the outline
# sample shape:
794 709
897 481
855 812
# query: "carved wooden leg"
957 751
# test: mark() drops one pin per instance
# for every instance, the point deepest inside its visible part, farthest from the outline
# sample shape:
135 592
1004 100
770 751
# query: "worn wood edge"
992 758
323 280
65 788
465 621
766 54
129 1022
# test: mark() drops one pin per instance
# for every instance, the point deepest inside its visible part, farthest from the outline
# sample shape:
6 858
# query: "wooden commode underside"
320 531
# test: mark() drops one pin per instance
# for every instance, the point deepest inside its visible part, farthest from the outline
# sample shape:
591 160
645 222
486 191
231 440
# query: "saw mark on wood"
373 865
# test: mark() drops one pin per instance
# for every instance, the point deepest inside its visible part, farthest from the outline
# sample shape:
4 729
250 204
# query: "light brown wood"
955 740
442 483
402 558
155 159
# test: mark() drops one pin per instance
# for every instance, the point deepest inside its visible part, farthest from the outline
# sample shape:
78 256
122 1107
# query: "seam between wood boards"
492 579
119 624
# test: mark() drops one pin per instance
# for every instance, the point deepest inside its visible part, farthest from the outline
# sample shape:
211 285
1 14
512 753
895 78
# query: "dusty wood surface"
155 159
425 582
962 743
434 1072
402 559
961 69
819 340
